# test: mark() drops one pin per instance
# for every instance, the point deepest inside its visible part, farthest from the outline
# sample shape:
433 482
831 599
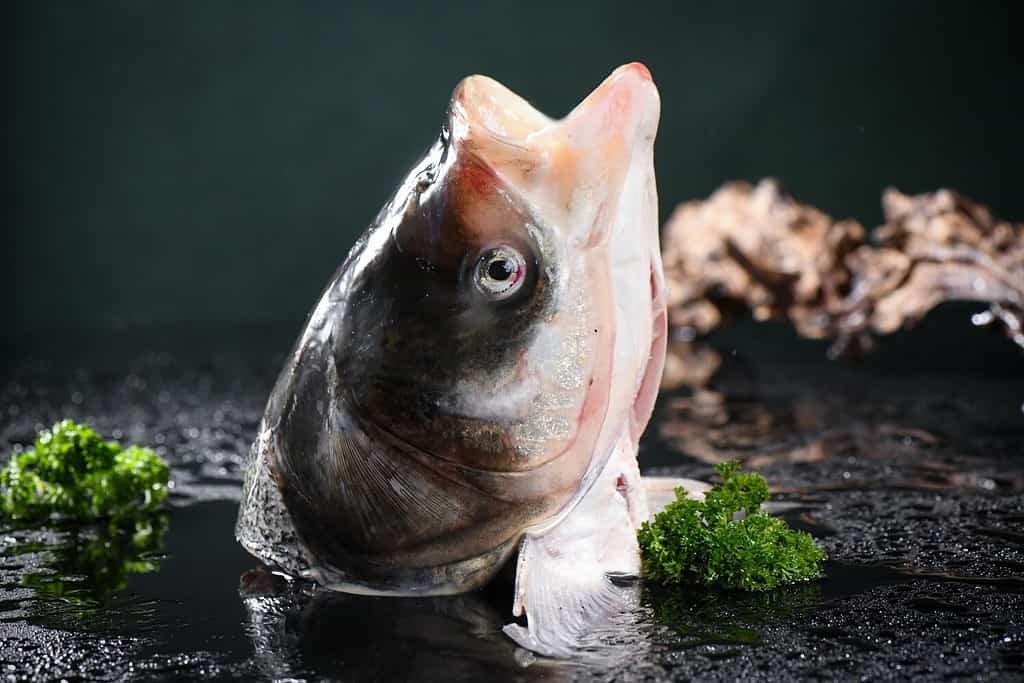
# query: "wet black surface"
909 472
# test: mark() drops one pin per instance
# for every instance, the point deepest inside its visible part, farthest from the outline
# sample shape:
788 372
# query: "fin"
577 579
662 490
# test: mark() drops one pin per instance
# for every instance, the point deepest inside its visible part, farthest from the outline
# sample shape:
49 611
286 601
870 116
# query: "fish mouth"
570 169
611 134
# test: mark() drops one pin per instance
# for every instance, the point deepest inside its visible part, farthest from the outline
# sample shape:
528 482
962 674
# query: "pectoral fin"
662 490
577 579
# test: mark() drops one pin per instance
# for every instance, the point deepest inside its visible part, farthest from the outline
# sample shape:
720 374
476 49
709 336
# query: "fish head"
488 340
522 254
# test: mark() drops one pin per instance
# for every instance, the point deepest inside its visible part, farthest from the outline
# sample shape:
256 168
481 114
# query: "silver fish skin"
471 387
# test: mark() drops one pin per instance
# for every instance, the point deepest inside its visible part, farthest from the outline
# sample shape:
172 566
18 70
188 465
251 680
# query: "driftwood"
756 248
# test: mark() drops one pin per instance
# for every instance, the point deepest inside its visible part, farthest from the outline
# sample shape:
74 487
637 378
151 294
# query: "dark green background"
210 163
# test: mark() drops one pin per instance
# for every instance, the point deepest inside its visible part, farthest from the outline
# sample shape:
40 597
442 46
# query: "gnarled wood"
757 248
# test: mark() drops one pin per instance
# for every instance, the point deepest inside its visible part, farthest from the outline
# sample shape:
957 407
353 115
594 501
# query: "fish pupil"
499 272
500 269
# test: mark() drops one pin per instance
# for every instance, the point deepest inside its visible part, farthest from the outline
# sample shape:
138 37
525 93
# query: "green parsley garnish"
703 542
72 472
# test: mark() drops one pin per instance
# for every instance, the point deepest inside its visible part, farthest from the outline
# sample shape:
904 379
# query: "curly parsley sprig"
707 542
72 472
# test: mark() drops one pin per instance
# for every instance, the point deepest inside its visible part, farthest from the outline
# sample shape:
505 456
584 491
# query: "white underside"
562 574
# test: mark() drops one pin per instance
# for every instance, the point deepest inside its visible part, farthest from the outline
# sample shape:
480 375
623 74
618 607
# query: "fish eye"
500 272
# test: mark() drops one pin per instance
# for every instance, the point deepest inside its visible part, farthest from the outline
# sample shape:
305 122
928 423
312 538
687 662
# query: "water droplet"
983 318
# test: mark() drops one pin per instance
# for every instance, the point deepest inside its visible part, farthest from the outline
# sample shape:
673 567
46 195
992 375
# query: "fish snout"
625 105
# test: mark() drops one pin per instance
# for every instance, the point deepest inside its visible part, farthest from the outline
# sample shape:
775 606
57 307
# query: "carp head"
489 342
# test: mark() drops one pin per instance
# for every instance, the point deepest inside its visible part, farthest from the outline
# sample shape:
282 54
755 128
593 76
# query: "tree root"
756 248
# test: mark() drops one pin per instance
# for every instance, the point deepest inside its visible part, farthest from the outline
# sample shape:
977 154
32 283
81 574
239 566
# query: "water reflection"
800 427
297 631
85 565
711 617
